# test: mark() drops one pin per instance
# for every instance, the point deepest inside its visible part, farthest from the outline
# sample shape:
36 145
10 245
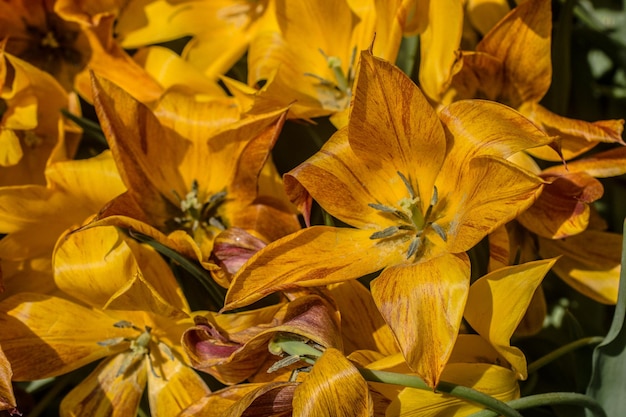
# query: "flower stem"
551 398
555 354
459 391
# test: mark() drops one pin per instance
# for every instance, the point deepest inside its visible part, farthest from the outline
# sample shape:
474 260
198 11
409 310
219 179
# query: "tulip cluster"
304 208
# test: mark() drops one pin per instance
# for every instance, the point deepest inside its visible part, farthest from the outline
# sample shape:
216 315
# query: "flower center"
197 215
139 346
413 221
336 93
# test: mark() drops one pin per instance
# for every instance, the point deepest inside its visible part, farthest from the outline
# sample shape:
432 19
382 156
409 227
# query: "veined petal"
589 262
388 113
336 167
492 380
219 401
274 399
106 392
496 191
142 147
476 74
562 209
177 388
423 304
57 343
333 387
522 41
497 303
314 256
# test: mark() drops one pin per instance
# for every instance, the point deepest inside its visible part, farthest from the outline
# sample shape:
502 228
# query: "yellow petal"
589 263
438 46
484 14
498 301
57 343
106 392
309 258
605 164
177 387
423 304
102 267
362 326
11 152
333 387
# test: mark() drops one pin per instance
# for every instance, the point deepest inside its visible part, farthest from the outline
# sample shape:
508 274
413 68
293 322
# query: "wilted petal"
498 301
562 209
576 136
333 387
106 392
309 258
268 400
605 164
219 401
423 304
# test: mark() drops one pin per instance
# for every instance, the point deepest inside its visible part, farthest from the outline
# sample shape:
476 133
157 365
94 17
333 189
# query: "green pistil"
413 220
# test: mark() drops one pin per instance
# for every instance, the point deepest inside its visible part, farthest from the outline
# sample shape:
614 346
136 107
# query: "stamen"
383 208
439 230
388 232
414 246
435 198
408 185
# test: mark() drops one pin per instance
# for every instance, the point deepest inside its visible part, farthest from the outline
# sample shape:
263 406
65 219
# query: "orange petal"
383 127
522 41
498 301
576 136
315 256
497 192
605 164
562 209
333 387
423 304
479 75
106 392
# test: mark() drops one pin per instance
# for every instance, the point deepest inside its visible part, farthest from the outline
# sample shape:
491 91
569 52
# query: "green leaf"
608 378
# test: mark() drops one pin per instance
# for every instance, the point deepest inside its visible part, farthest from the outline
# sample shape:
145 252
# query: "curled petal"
562 209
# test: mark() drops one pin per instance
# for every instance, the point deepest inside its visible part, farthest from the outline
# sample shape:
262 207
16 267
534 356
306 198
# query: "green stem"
292 346
53 393
552 398
544 360
202 275
89 128
459 391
